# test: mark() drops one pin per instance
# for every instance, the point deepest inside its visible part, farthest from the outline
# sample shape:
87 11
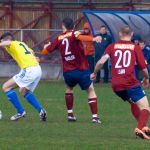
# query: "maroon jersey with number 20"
124 55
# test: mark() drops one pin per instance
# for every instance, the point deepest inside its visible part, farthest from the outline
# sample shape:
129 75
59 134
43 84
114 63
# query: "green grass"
115 132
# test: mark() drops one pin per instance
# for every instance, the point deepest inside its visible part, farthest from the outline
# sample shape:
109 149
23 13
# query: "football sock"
143 118
69 103
93 106
12 96
135 111
33 101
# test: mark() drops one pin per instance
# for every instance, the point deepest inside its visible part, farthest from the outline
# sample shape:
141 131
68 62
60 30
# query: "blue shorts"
135 94
74 77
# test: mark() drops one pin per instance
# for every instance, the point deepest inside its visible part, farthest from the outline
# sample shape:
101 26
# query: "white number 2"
66 42
126 56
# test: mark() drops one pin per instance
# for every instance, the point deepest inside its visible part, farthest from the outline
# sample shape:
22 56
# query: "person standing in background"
136 38
99 50
146 52
89 47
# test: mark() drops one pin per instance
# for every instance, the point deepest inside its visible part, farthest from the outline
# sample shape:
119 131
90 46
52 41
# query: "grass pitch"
115 132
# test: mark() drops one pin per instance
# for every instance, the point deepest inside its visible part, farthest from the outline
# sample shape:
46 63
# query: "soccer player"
27 79
75 66
123 55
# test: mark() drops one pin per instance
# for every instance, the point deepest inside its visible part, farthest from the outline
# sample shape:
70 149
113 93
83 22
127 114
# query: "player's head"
142 44
86 28
67 24
7 37
125 33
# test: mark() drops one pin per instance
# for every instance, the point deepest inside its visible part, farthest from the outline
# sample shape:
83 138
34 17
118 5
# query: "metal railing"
35 39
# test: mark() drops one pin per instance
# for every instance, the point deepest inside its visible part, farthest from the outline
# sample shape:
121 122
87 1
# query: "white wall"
50 71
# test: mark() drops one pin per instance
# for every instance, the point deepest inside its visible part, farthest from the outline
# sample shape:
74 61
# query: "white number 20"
124 56
66 42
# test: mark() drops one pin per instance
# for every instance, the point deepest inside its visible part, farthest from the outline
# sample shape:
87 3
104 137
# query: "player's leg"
69 98
134 110
143 118
71 81
29 83
8 88
92 101
138 96
86 84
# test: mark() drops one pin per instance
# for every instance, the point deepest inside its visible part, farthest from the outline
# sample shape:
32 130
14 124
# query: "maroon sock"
135 111
69 103
143 118
93 105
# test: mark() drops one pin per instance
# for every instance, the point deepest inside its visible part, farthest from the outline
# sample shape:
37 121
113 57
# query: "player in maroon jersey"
75 66
123 55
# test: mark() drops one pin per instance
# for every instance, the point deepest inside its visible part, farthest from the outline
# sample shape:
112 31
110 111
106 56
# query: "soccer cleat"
146 130
43 115
141 134
96 120
18 116
72 118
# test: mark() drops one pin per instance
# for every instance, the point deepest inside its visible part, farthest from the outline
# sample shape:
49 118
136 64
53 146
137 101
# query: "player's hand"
46 45
77 33
97 39
145 83
38 59
93 76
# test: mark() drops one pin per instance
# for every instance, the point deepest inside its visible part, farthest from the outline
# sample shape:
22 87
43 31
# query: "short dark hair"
6 36
141 41
102 26
68 23
126 30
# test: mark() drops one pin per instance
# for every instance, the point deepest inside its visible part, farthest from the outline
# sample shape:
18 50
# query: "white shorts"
28 77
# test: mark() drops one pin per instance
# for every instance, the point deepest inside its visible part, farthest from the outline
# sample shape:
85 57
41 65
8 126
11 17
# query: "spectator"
99 50
89 47
136 38
146 52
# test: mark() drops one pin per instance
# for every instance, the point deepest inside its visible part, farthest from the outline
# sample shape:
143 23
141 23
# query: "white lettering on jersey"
68 58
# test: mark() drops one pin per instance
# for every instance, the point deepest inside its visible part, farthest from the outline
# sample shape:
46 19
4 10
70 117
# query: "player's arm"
99 66
50 47
87 38
145 81
5 43
142 66
101 62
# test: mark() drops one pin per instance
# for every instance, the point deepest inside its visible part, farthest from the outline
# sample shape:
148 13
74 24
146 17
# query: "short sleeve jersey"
124 55
71 50
22 54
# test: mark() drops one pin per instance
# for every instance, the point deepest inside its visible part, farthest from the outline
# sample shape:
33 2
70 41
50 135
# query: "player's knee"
90 89
69 90
5 87
91 92
23 91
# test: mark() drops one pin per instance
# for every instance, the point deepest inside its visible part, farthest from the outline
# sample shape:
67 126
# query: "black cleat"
43 115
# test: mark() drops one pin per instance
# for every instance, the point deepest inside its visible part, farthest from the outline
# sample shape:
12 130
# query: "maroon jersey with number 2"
71 50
